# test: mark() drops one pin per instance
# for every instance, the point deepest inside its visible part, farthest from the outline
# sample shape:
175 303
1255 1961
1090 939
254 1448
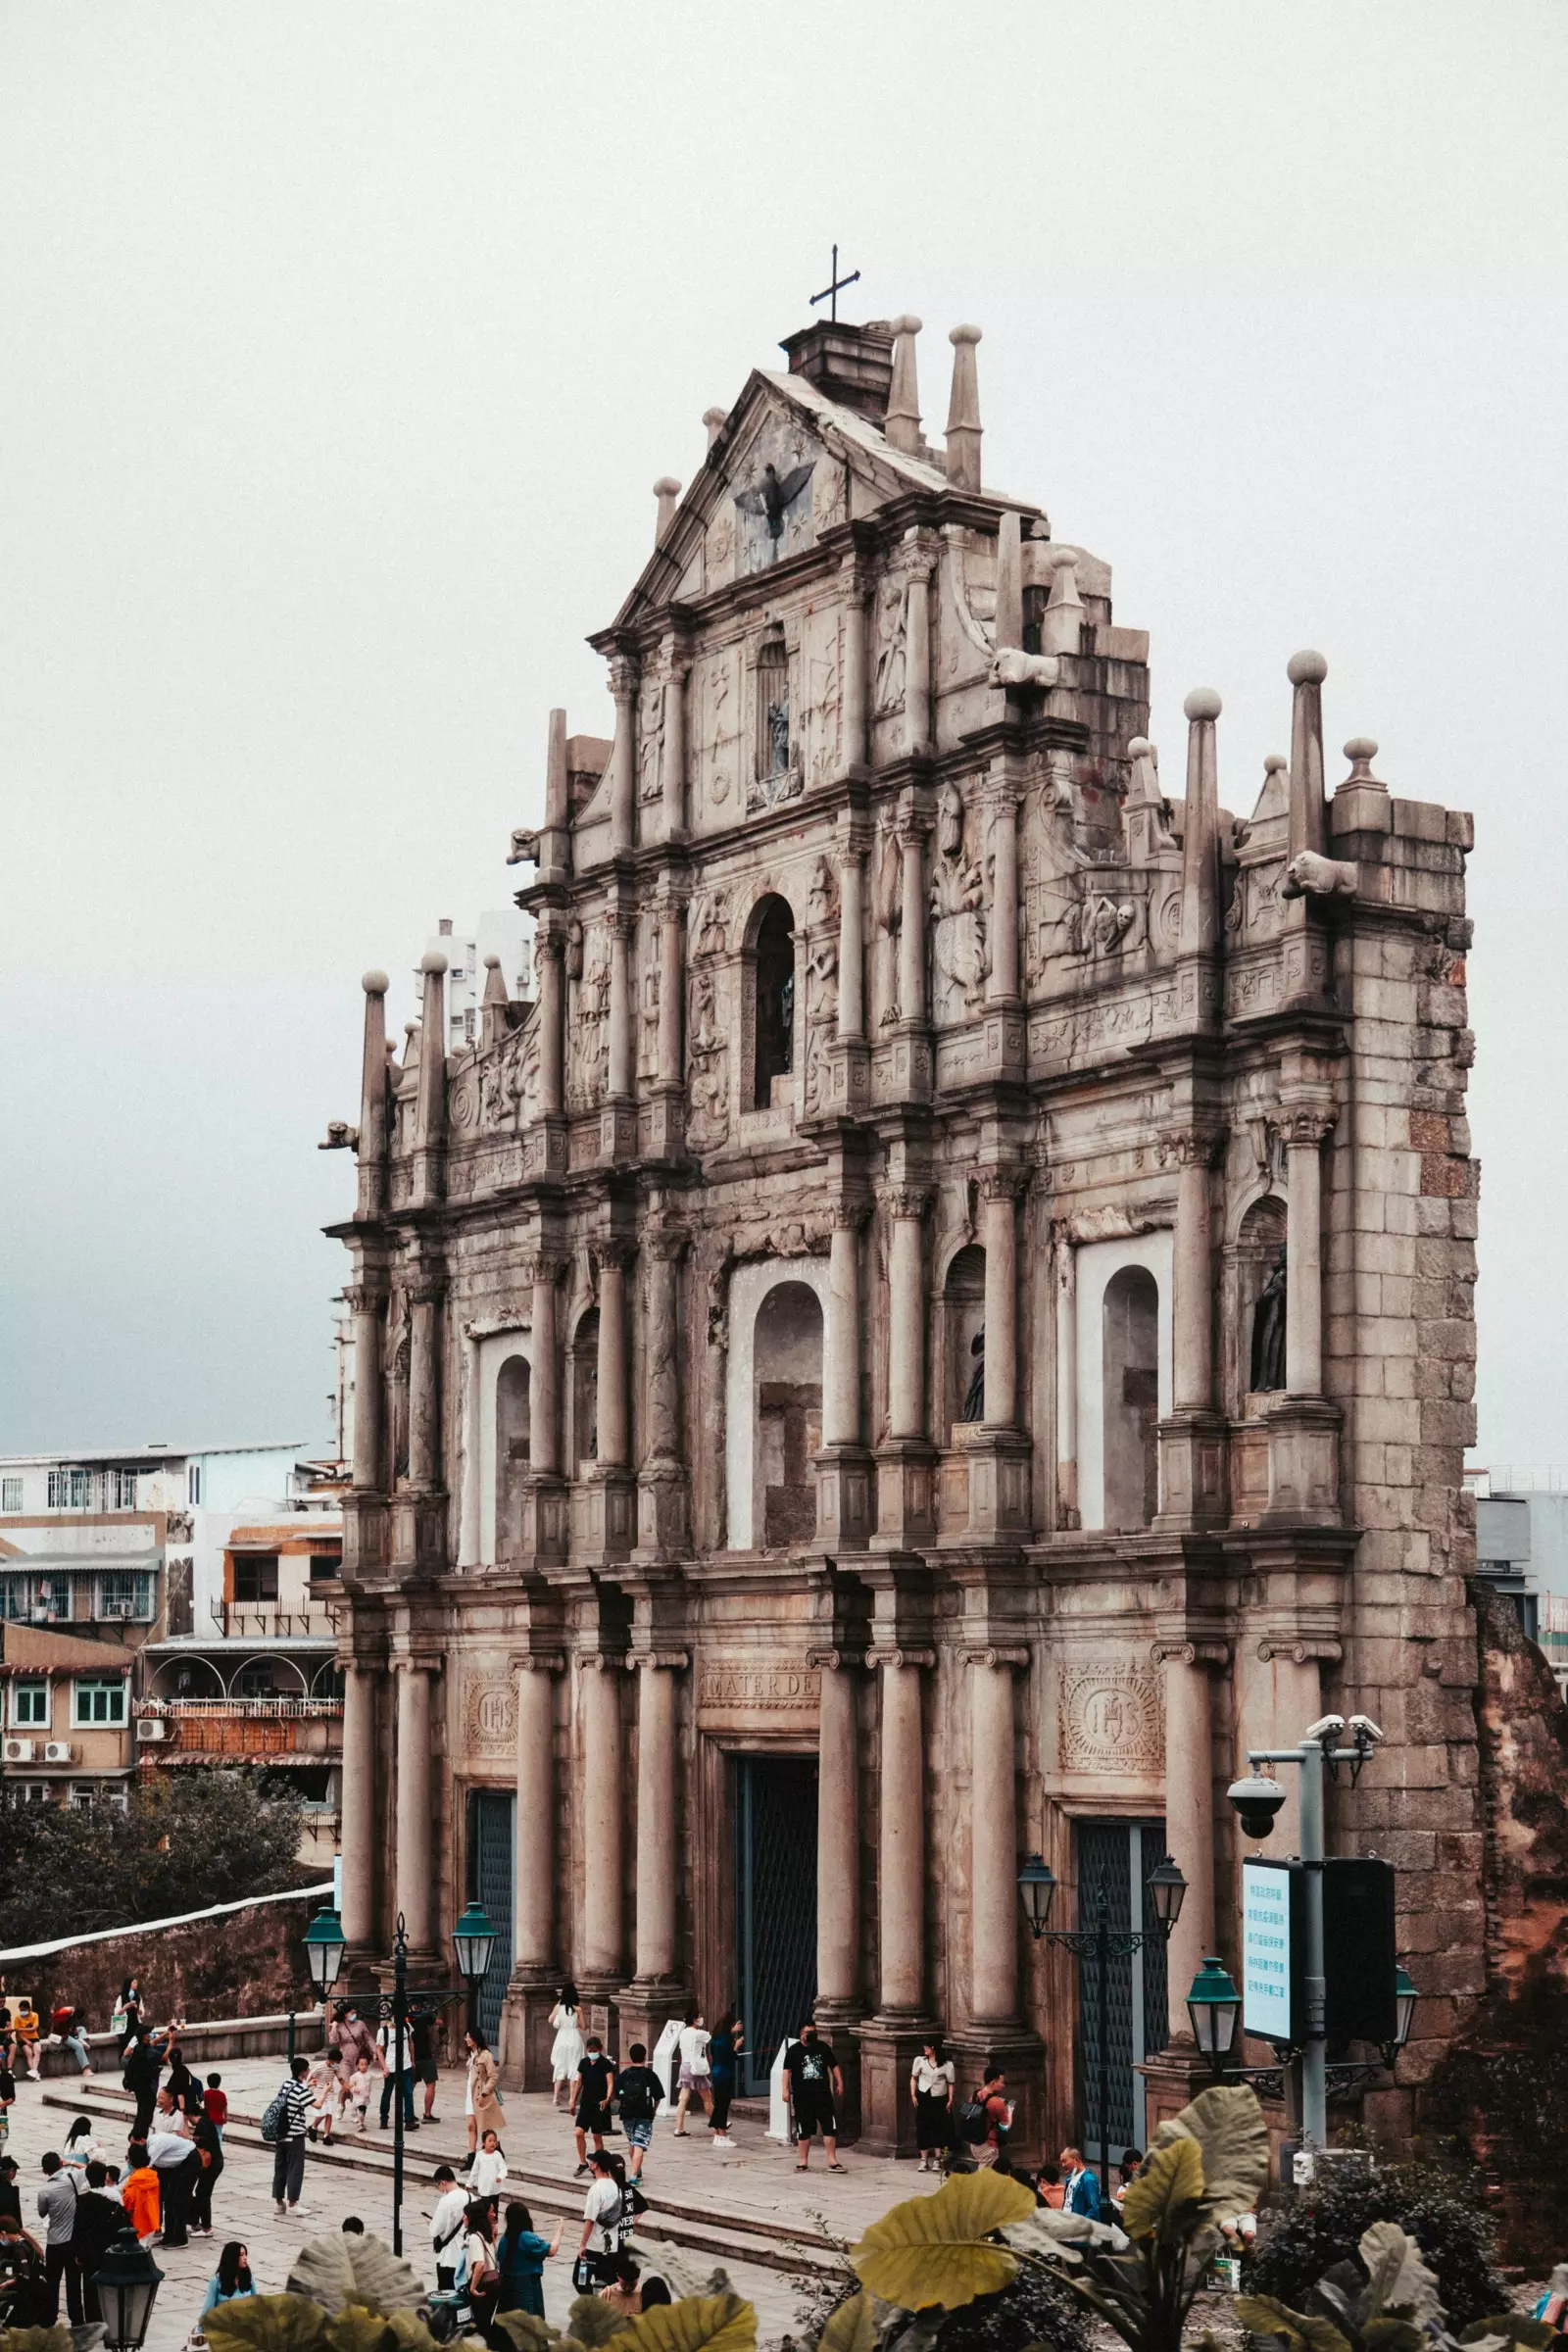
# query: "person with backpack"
931 2084
604 2223
640 2095
985 2121
286 2123
446 2226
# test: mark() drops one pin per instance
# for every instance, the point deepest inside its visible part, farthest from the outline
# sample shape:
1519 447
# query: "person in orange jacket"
138 2193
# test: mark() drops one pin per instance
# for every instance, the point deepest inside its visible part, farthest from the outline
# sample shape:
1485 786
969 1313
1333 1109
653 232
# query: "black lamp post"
1405 1997
324 1945
1214 2004
473 1939
1103 1943
127 2282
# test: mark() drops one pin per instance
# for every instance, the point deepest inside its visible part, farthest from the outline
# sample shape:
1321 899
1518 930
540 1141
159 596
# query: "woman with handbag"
483 2100
603 2224
478 2278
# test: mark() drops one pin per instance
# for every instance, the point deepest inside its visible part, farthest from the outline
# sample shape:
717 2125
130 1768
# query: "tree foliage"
188 1839
1441 2211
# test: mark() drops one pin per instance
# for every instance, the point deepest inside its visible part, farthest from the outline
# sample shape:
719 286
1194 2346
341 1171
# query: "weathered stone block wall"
244 1964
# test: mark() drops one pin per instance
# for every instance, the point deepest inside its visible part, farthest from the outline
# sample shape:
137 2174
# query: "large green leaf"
1512 2328
267 2324
1389 2332
36 2339
356 2329
1300 2330
593 2323
1232 2139
409 2332
696 2324
343 2268
852 2328
1399 2278
938 2249
523 2329
1167 2196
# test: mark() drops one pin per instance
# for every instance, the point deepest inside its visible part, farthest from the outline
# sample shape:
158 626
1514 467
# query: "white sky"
342 344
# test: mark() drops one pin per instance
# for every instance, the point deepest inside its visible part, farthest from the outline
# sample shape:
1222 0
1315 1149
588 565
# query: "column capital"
613 1252
1307 1125
1301 1649
849 1215
541 1266
364 1298
993 1656
671 1661
426 1290
901 1660
911 824
537 1661
1188 1147
550 931
1177 1649
918 555
1007 1183
905 1201
600 1661
837 1661
668 1243
624 673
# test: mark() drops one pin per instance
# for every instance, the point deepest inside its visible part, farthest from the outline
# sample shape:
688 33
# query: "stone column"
1001 982
657 1847
369 1307
602 1907
1066 1381
1189 1818
1304 1265
917 662
838 1837
851 948
911 931
998 1190
674 762
623 756
372 1145
615 1448
855 669
415 1890
903 1832
841 1399
906 1207
359 1816
425 1387
672 992
543 1373
1193 1348
994 1834
533 1936
469 1422
551 1019
619 1082
664 1247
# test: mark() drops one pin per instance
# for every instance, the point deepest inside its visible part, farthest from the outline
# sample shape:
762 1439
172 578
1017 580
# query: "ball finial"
432 960
907 323
1360 747
1307 668
1138 747
1274 762
375 984
492 963
963 334
1202 703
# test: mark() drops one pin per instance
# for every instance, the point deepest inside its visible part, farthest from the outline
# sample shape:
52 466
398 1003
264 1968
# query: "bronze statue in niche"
1268 1332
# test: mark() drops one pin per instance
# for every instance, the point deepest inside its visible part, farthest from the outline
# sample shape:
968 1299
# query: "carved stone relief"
589 1028
1110 1719
960 949
821 979
651 740
891 645
489 1716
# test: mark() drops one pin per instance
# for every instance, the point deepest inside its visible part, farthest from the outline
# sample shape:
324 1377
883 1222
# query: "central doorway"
492 1841
775 1905
1118 1856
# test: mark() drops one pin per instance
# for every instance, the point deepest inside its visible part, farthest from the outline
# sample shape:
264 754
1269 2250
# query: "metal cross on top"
831 293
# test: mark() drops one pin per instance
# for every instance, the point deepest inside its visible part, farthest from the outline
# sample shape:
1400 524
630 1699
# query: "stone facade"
829 1318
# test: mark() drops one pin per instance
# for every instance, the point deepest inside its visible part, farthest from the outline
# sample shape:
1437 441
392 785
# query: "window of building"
124 1593
120 1490
69 1489
257 1681
45 1600
30 1704
324 1565
10 1495
98 1698
256 1576
193 1485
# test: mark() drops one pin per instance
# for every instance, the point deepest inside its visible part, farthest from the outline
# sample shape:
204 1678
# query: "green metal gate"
492 1843
1118 1856
775 1904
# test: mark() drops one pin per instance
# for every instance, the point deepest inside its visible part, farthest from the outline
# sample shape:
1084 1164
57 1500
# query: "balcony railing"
209 1709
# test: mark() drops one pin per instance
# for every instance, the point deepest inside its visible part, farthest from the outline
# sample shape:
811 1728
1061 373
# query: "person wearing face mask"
813 2088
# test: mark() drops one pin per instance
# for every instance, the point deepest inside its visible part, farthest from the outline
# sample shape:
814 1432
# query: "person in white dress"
566 2051
695 2074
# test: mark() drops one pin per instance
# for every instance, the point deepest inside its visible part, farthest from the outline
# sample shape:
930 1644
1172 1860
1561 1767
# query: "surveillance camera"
1366 1729
1256 1800
1327 1727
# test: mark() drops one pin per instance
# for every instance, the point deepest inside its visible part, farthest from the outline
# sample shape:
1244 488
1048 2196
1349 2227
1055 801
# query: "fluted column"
917 664
841 1415
902 1831
655 1816
1002 981
367 1306
1192 1266
912 920
852 948
614 1446
372 1145
620 1079
994 1837
674 765
838 1833
543 1372
906 1207
551 1018
602 1907
1066 1381
856 649
533 1934
360 1815
1304 1264
998 1190
664 1247
671 992
425 1387
415 1892
623 756
1189 1818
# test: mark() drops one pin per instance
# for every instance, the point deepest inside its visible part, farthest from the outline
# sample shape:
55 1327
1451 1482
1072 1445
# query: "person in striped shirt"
288 2150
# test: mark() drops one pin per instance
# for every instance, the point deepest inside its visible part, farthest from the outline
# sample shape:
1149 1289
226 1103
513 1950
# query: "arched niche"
788 1346
1120 1325
582 1389
1249 1261
1129 1372
787 1385
771 998
493 1352
511 1402
964 1316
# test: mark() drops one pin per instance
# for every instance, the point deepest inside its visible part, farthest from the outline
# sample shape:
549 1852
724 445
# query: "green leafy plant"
1388 2303
343 2271
1441 2211
942 2249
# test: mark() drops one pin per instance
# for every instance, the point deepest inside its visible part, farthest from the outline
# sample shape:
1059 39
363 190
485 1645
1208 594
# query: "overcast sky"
342 344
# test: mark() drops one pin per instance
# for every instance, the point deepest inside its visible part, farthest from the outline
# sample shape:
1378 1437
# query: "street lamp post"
473 1939
125 2282
1103 1943
324 1945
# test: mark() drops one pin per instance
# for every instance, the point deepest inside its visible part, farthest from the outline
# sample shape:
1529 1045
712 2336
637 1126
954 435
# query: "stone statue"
1268 1332
778 735
974 1395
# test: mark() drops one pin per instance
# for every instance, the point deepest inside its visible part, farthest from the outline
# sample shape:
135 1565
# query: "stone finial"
1199 931
1275 797
666 490
493 1010
373 1075
375 984
1063 617
1010 581
1142 791
964 411
430 1103
715 420
432 963
903 401
1360 751
1306 672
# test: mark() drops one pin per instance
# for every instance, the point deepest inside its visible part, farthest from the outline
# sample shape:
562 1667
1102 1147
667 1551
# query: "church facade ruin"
945 1318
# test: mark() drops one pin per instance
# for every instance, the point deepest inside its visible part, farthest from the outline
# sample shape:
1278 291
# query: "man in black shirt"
814 2086
10 2194
100 2218
641 2093
592 2093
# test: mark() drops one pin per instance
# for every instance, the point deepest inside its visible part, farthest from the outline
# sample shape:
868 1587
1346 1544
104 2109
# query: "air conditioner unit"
119 1609
152 1727
57 1751
19 1752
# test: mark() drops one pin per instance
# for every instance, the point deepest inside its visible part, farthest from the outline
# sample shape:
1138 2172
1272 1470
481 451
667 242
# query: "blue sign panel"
1266 1950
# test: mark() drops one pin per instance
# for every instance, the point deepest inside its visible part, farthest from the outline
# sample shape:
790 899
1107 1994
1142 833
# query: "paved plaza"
771 2229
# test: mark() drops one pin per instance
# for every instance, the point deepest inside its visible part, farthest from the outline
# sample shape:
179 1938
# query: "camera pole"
1314 2058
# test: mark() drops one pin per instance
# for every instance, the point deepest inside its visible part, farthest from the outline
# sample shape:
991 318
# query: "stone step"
703 2230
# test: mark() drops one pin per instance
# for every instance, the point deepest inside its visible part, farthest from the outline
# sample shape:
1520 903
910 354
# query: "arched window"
963 1338
512 1453
774 982
787 1369
1131 1398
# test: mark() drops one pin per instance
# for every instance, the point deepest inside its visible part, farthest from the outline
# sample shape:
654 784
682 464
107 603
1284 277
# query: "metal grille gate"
1119 1855
775 1904
492 1842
